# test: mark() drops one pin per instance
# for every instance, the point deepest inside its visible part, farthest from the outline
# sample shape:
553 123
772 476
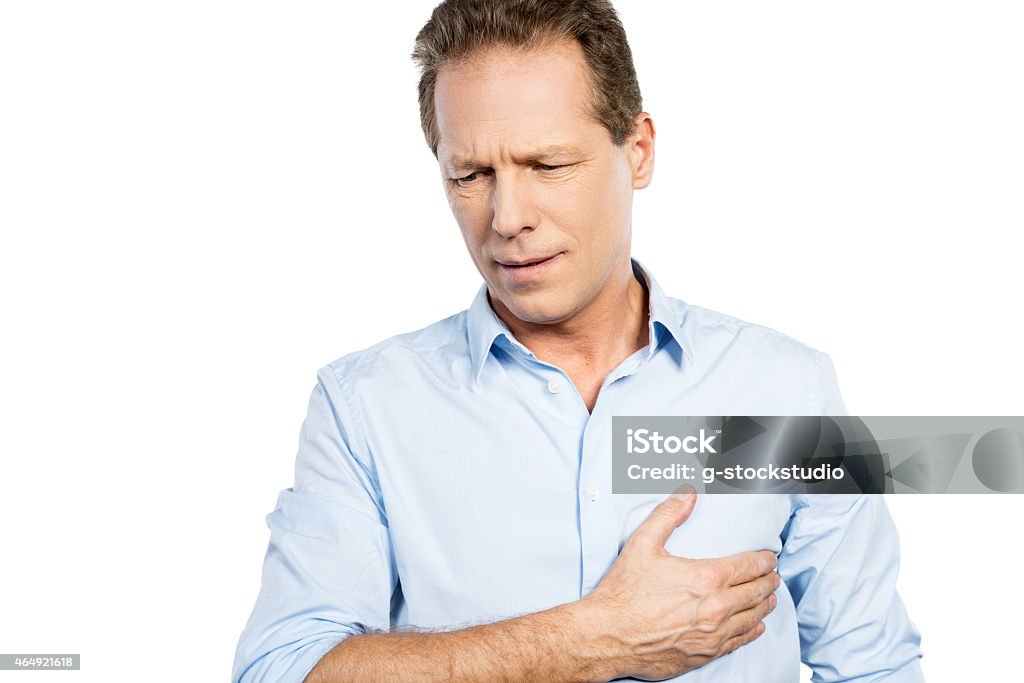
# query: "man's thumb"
654 531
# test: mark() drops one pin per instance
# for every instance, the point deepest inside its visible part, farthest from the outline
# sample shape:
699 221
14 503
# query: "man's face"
532 178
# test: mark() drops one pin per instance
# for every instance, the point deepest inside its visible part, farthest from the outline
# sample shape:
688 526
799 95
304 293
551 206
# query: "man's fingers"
753 593
653 532
747 620
739 569
741 598
739 641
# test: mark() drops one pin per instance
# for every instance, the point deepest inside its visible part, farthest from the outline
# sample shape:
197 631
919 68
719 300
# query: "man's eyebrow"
549 152
460 164
465 163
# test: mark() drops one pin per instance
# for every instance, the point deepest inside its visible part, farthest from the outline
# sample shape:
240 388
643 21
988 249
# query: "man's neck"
593 342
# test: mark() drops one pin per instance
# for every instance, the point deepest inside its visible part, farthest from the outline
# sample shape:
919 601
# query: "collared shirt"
448 477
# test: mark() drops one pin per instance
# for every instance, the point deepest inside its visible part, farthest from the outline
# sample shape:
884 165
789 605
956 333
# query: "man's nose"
514 210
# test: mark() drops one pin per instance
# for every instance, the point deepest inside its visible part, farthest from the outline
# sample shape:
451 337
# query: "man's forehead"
519 104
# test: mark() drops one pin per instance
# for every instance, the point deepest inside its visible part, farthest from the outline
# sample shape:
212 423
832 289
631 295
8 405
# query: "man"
452 515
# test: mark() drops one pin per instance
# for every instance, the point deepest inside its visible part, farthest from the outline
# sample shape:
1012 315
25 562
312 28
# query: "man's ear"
641 150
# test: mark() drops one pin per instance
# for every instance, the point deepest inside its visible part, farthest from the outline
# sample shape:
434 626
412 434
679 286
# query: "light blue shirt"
447 477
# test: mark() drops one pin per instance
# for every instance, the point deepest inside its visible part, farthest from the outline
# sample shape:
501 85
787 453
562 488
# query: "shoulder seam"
815 407
396 341
357 418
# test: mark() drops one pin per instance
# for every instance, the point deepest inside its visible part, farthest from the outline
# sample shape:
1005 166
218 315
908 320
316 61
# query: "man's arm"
840 558
550 645
653 616
329 569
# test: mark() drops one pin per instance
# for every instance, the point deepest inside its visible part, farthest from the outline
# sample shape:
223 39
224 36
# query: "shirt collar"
666 318
485 328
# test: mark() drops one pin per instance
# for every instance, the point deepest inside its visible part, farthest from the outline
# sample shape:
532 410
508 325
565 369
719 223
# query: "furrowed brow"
459 164
549 152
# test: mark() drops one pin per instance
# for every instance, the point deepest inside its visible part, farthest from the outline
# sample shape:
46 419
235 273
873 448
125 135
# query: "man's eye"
549 168
467 180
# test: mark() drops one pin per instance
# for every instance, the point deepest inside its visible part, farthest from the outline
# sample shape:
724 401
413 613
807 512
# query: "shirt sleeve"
827 399
329 570
840 559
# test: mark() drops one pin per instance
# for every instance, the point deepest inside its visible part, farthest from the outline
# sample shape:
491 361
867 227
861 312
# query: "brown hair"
458 29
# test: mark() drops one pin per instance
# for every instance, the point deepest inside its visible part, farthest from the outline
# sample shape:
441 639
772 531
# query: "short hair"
459 29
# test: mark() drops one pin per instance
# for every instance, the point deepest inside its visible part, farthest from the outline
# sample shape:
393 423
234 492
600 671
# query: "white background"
201 203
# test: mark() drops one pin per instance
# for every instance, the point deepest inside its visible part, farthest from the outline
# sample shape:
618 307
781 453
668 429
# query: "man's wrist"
598 650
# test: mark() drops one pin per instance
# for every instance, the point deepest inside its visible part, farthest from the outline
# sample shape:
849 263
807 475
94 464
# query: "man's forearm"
555 644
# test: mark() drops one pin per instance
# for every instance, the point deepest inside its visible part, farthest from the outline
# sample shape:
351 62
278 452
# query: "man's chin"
538 309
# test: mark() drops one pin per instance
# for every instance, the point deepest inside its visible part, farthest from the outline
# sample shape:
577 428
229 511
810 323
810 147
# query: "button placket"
599 538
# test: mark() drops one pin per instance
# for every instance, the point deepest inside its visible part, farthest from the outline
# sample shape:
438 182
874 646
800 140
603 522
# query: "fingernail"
772 602
684 492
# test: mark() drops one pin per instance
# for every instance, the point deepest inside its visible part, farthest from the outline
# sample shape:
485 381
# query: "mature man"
452 515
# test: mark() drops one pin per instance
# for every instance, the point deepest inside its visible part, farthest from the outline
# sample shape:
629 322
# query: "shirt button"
554 386
593 494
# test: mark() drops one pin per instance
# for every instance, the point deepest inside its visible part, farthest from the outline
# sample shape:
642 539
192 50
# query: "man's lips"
519 263
520 270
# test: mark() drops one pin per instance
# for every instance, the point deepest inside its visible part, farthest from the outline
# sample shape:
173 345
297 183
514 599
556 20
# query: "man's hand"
667 615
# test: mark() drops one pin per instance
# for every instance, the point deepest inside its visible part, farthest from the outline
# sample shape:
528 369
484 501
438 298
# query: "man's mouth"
528 269
525 263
